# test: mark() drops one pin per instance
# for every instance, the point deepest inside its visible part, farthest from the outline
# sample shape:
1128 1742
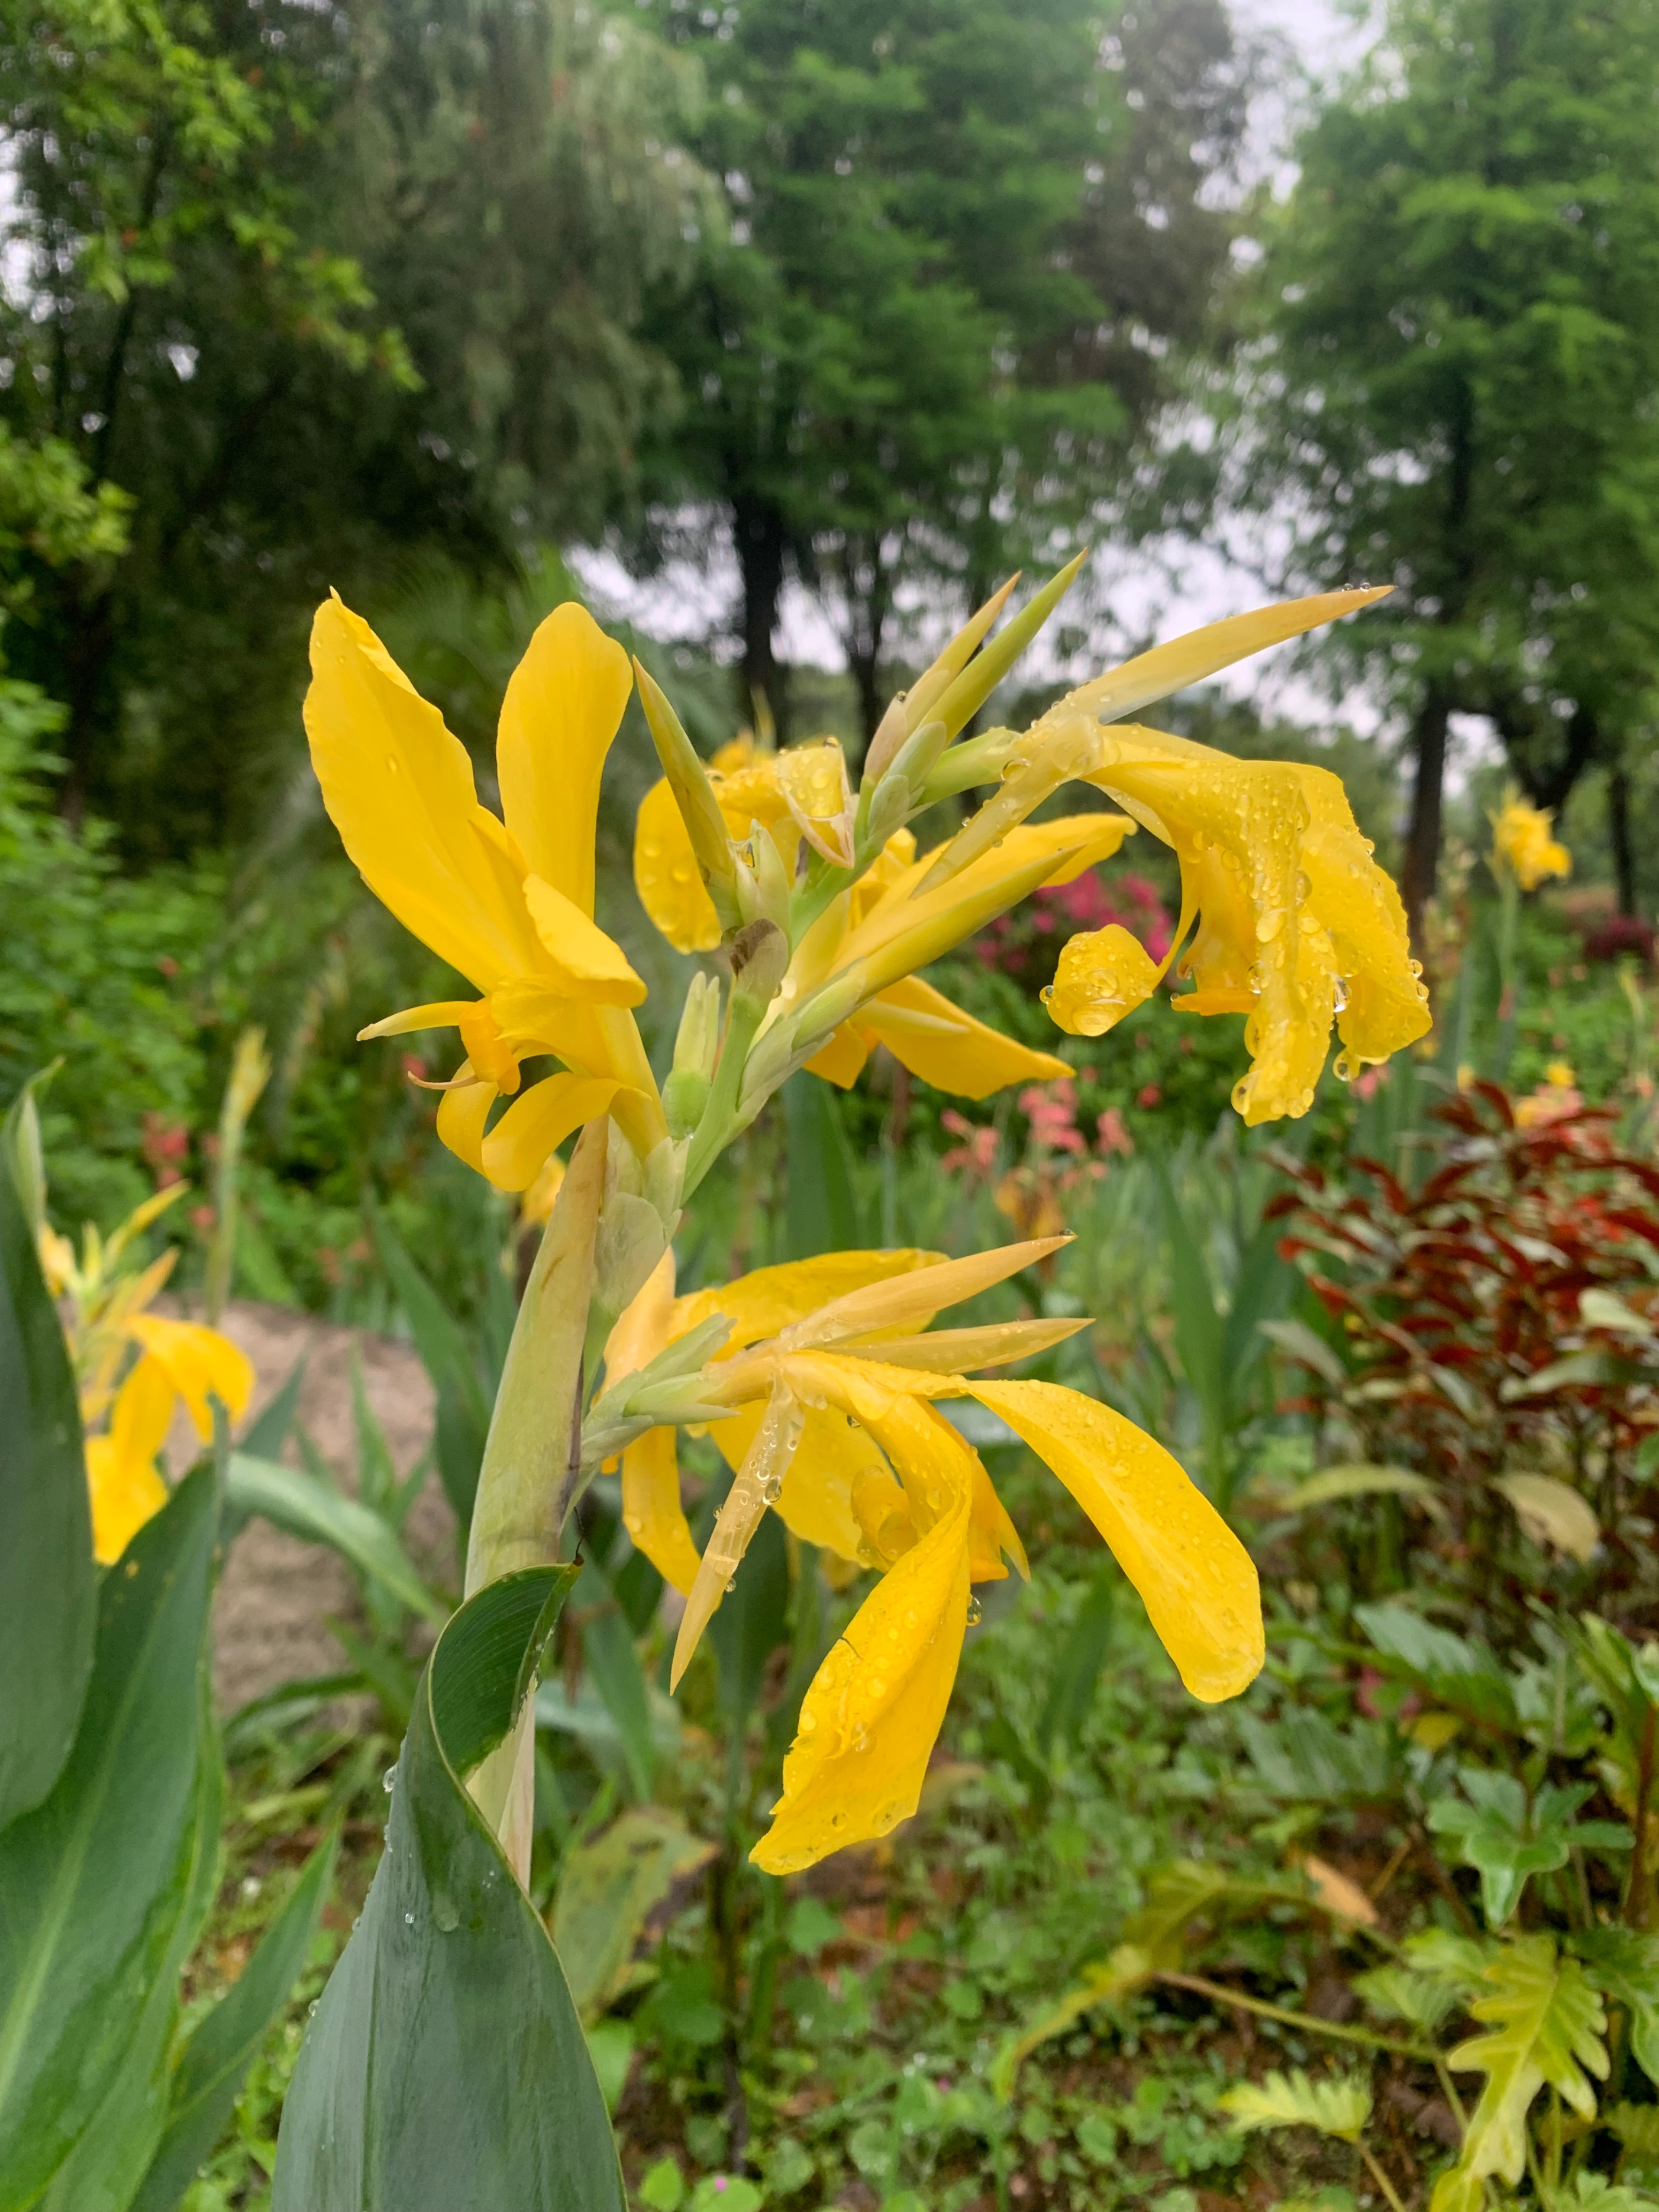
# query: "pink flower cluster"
1061 910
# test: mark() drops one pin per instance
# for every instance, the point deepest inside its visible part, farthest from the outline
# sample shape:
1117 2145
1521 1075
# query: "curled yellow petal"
399 789
462 1114
200 1365
563 707
870 1717
840 1061
1195 1578
813 781
443 1014
588 964
756 1487
1104 974
516 1150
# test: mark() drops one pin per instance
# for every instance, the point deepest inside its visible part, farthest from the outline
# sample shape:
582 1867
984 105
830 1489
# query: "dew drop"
389 1780
408 1920
973 1610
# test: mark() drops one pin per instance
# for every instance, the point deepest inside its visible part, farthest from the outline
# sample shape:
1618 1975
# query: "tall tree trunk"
1423 837
762 543
867 587
1624 853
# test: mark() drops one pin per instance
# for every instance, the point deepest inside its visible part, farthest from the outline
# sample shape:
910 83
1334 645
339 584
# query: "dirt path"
276 1594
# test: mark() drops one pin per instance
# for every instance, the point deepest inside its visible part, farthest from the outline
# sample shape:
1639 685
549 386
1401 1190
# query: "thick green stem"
535 1440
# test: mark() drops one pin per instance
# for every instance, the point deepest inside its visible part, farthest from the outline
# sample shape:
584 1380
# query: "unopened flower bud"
760 955
686 1091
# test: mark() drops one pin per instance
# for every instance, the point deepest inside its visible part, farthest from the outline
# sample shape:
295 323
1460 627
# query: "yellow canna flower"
1522 843
1286 916
831 1373
104 1324
507 901
176 1360
772 795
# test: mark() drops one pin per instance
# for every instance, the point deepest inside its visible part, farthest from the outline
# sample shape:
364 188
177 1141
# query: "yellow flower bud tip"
1103 975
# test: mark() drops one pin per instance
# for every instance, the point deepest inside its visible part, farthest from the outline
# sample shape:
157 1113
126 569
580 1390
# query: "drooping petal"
869 1721
588 964
399 789
949 1048
1195 1578
462 1114
199 1363
755 1487
563 707
652 1512
122 1479
991 1534
1104 974
516 1150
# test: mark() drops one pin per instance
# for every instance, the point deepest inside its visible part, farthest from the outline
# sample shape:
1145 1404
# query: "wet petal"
961 1351
563 707
399 789
1103 975
870 1719
914 1294
756 1487
813 781
834 1456
1195 1578
767 1300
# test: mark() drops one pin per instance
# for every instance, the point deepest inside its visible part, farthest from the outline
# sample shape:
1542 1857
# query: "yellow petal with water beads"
665 875
915 1296
652 1512
769 1300
1103 975
872 1715
1195 1577
813 781
961 1351
834 1455
756 1487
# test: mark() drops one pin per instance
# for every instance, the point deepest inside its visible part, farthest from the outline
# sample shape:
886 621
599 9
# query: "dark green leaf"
315 1510
611 1658
821 1211
1624 1964
1461 1673
48 1593
92 1883
264 1437
1077 1671
210 2069
463 1417
752 1622
446 2066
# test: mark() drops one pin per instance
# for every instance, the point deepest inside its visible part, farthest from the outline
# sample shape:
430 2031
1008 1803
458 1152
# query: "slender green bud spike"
694 795
890 804
968 692
773 878
918 752
905 716
686 1091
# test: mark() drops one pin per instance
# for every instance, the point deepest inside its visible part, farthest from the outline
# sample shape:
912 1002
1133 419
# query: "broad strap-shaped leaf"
315 1510
48 1589
201 2087
446 2066
1338 2106
1545 2024
112 2152
93 1882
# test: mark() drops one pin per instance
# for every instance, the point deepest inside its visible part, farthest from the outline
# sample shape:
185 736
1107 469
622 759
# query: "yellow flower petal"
840 1061
817 1501
652 1512
960 1351
949 1048
441 1014
665 875
399 789
870 1717
991 1533
516 1150
1103 975
1522 842
563 707
755 1487
915 1294
462 1114
763 1303
124 1494
588 964
1195 1577
813 781
199 1363
645 1327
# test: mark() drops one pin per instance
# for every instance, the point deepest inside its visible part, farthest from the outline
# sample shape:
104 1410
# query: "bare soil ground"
276 1595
